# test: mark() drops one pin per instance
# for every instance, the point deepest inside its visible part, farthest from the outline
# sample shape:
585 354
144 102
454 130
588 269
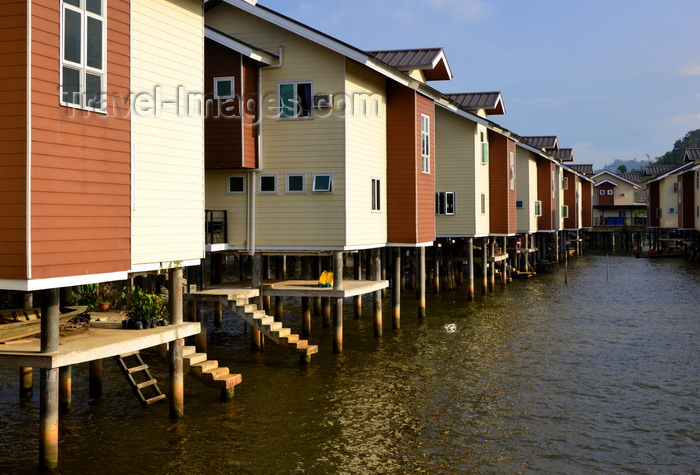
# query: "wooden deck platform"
287 288
100 340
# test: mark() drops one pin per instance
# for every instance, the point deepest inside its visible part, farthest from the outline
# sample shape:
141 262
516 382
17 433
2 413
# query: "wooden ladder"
139 378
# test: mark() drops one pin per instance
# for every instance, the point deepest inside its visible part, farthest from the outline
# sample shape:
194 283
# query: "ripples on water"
597 376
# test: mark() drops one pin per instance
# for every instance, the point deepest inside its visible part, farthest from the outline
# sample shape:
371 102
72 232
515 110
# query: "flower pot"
103 306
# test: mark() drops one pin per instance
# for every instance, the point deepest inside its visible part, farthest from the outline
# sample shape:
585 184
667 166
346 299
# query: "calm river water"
598 376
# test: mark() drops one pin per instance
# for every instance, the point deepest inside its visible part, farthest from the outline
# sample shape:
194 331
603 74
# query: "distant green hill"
675 156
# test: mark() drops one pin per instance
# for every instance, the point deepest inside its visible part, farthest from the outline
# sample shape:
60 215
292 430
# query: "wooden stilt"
484 266
26 382
504 264
357 274
65 394
436 268
305 317
470 269
48 411
492 266
255 334
338 315
396 290
421 282
176 363
200 339
95 379
377 275
327 312
218 315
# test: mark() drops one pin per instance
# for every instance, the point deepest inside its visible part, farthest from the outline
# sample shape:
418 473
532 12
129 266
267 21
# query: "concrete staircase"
209 372
275 331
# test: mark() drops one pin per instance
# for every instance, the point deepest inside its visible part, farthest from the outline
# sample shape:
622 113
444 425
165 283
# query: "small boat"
19 323
652 254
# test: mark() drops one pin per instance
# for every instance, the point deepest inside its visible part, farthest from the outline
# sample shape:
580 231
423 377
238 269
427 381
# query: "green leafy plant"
150 309
93 295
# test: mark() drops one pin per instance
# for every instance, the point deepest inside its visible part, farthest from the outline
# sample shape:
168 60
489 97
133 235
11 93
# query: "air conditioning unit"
323 101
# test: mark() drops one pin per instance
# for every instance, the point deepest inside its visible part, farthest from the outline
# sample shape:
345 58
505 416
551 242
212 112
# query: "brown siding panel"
81 161
226 133
13 136
401 164
425 181
250 114
570 201
586 204
544 194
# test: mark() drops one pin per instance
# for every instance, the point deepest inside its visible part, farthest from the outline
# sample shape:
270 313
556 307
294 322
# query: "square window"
519 204
602 192
610 192
268 184
295 100
296 183
224 88
376 194
445 203
236 184
323 182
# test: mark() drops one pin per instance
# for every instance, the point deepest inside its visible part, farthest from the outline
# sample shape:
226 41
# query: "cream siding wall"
366 155
558 183
668 200
459 169
168 51
236 205
296 221
526 179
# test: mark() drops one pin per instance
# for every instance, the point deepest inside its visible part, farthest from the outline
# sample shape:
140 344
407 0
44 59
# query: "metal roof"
692 154
656 170
543 142
585 169
431 61
631 176
563 154
491 102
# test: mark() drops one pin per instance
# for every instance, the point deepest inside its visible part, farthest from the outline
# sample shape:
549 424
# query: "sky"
612 79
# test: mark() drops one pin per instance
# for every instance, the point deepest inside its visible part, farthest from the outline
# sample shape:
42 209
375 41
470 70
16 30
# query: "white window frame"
316 189
564 211
442 199
296 115
228 185
512 170
602 192
519 204
484 153
565 183
260 180
611 191
425 143
538 208
288 189
229 79
483 204
376 194
82 67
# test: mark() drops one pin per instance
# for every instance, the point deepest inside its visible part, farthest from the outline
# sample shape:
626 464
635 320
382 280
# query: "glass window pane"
94 43
71 86
287 100
75 3
296 183
268 184
304 100
94 6
71 36
322 183
235 184
224 88
93 91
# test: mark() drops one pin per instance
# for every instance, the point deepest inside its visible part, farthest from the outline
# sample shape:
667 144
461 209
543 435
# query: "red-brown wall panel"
13 137
401 166
425 200
545 168
81 161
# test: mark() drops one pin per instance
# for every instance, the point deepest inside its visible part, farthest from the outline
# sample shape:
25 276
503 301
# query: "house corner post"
48 411
421 282
396 291
338 316
377 276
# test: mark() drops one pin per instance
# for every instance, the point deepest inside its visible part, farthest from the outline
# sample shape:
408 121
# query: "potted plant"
147 310
100 297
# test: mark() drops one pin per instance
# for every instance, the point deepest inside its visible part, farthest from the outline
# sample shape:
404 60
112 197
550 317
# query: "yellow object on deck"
326 279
